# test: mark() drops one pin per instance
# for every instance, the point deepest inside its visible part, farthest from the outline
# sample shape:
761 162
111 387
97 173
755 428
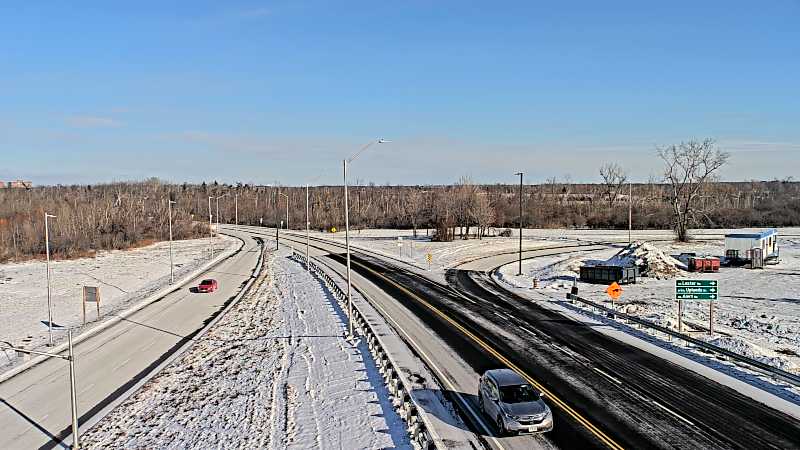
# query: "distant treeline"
123 215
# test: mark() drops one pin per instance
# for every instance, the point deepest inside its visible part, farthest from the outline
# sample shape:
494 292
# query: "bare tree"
413 207
688 168
614 177
483 213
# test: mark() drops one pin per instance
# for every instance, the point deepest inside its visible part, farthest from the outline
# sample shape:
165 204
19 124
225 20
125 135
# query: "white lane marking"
152 343
672 412
91 385
120 365
615 380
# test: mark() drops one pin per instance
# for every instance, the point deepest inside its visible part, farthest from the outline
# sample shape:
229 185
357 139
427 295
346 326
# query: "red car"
207 286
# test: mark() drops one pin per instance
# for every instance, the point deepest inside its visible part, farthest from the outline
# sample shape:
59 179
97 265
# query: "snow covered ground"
123 276
758 314
275 372
443 254
447 254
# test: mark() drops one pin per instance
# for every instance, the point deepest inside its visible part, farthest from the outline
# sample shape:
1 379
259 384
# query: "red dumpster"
704 264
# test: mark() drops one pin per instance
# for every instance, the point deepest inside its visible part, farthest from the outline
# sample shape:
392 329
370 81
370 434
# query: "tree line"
123 215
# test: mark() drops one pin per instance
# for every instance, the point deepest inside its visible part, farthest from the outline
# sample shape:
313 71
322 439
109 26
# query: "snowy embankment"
758 314
444 255
275 372
123 276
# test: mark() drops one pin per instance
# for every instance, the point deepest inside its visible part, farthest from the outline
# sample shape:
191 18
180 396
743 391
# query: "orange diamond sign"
614 290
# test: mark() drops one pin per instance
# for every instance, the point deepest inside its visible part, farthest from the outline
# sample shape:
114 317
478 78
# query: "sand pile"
651 261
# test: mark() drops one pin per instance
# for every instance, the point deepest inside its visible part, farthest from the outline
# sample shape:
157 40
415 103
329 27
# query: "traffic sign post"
614 291
707 290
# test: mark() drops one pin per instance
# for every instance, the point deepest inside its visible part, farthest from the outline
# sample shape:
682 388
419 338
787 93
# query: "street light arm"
364 148
7 346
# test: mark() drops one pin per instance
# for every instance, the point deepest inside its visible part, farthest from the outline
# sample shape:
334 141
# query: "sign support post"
711 318
691 289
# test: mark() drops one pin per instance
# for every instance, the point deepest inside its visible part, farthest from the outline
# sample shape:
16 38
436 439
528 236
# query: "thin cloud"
255 13
92 122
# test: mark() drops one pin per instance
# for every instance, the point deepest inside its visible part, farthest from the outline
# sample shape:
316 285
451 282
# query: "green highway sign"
697 290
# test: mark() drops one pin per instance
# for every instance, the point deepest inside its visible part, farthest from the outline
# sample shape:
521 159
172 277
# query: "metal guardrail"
404 403
758 365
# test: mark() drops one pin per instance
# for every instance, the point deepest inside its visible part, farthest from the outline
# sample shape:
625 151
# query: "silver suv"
513 403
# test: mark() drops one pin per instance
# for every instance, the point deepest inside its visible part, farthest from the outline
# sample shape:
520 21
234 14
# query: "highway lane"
458 377
692 411
35 404
644 400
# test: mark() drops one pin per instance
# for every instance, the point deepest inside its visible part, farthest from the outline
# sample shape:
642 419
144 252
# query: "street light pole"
218 213
49 302
236 208
347 233
210 229
287 209
72 380
171 261
277 224
520 222
73 396
630 210
308 226
347 246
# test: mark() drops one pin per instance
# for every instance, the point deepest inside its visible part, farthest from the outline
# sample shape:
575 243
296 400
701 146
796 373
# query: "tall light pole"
277 224
49 302
287 208
210 229
236 208
308 227
630 210
520 222
171 262
70 357
347 231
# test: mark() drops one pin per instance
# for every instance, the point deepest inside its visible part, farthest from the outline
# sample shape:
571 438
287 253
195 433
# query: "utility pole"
520 222
171 261
630 210
308 226
210 229
236 208
49 302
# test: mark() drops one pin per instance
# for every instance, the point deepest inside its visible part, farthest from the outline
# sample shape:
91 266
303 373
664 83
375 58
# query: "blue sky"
281 91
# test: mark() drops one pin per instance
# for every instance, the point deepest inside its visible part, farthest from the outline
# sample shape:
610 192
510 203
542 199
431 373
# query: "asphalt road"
615 394
35 404
458 377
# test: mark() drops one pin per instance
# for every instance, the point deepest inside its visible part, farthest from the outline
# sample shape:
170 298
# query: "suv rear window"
518 394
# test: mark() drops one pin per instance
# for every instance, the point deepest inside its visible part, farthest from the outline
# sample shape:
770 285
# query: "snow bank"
652 262
744 348
275 372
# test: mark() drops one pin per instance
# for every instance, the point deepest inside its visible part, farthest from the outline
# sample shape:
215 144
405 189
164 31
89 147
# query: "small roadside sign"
614 290
91 294
696 290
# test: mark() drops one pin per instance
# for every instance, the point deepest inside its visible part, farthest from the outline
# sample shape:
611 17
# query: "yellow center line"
561 404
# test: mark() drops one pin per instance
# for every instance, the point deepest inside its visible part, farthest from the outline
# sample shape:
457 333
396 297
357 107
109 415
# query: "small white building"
742 243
